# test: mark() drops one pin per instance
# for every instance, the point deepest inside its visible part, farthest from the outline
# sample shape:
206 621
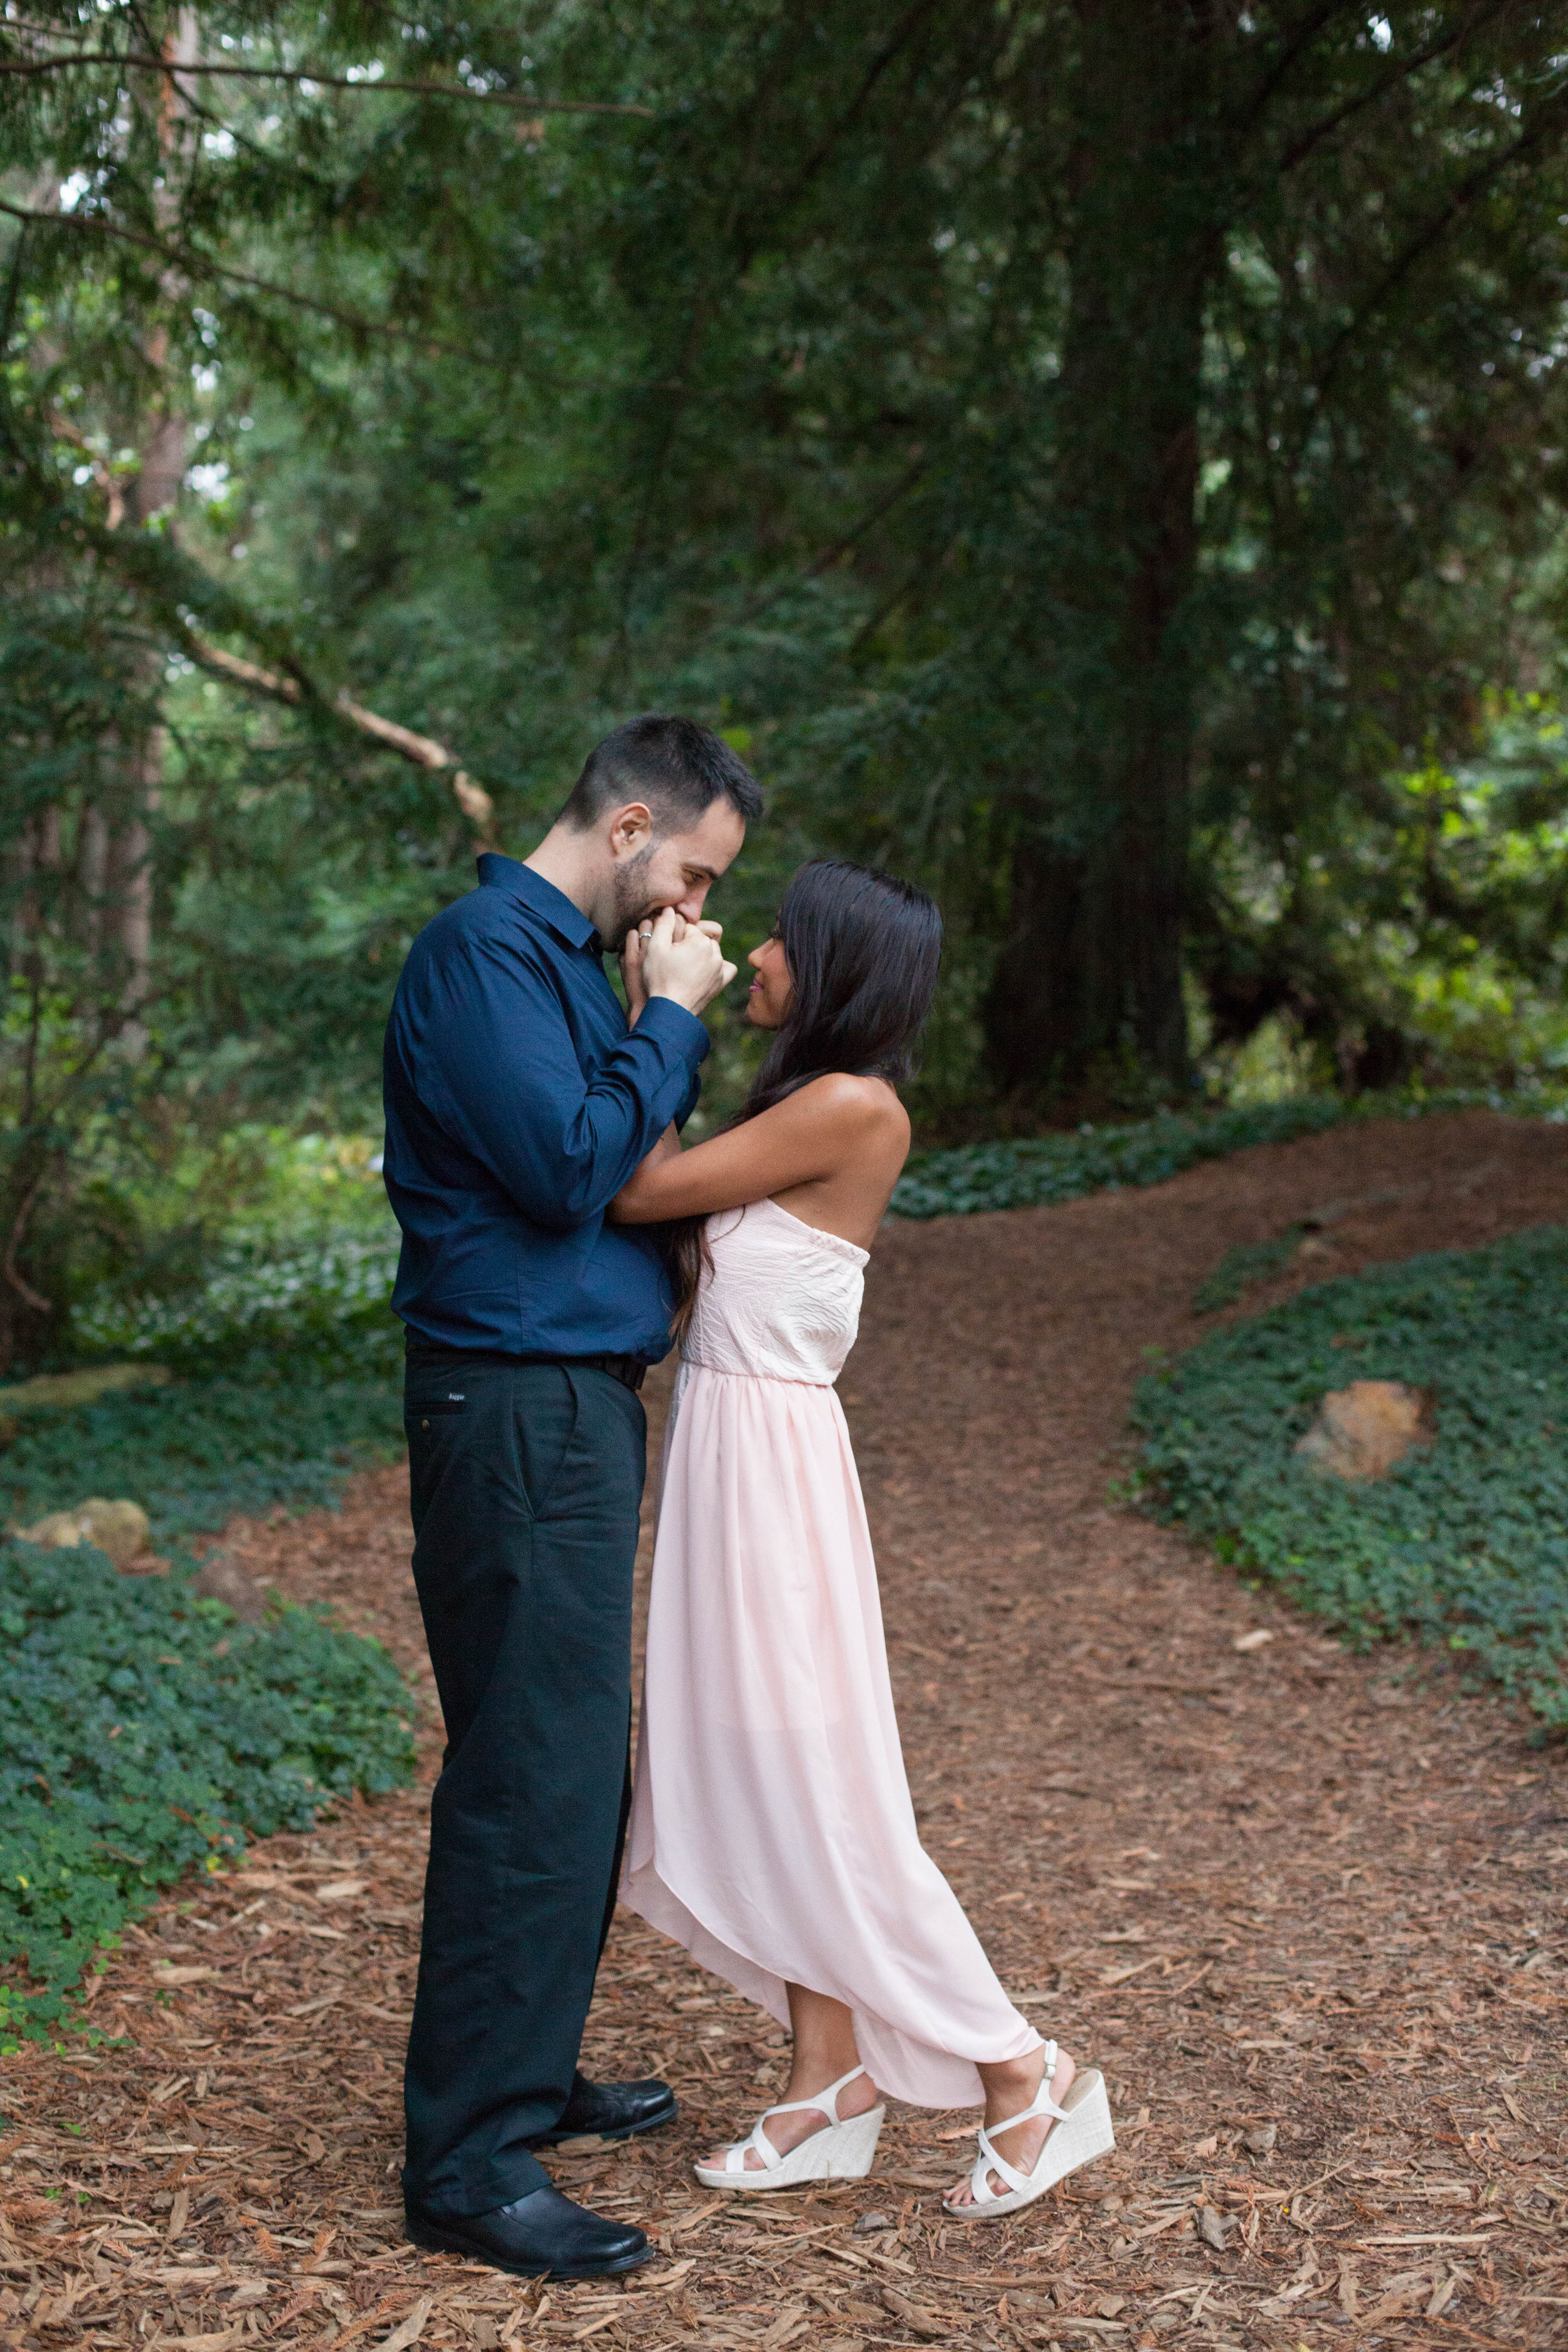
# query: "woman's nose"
755 959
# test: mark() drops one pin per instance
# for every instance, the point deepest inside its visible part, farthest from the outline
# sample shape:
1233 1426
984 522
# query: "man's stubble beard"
629 887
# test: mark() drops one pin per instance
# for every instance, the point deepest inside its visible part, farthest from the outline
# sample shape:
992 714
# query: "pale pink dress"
771 1832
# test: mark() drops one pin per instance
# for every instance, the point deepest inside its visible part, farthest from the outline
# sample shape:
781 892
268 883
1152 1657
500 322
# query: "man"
518 1103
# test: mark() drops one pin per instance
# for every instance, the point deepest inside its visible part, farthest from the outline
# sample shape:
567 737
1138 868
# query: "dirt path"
1307 1910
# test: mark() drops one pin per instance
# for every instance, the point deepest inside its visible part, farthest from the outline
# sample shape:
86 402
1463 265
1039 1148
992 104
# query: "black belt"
628 1369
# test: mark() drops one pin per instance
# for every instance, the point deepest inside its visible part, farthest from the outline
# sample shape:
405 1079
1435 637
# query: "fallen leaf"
1255 1640
408 2331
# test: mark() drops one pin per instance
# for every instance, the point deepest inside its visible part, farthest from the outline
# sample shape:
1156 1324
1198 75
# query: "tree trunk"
163 455
1086 997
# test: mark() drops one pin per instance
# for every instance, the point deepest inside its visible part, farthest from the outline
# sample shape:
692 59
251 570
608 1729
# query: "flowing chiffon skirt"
771 1829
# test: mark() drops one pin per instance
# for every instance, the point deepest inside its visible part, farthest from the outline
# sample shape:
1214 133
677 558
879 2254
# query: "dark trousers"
526 1480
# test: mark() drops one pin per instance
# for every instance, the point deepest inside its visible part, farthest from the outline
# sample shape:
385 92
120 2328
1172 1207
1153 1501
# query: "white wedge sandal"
1081 2132
841 2150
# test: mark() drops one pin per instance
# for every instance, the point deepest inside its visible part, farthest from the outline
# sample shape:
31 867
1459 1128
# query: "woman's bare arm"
667 1148
810 1135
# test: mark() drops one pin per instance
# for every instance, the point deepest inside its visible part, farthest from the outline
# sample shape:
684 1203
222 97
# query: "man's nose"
689 907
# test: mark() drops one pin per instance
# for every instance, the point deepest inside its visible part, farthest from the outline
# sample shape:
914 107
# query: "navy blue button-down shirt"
518 1103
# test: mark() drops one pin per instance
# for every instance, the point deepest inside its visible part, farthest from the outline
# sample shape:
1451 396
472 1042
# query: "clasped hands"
670 957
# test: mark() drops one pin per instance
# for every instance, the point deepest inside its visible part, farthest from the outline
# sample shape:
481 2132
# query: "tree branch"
1302 145
28 66
1432 232
828 556
421 750
197 265
18 1280
130 552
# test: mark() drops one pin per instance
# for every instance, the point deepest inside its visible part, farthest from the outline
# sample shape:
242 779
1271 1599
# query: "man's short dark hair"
676 766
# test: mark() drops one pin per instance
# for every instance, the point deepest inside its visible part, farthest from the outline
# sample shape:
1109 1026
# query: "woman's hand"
632 978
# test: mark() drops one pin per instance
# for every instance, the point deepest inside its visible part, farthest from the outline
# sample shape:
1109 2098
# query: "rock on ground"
1361 1431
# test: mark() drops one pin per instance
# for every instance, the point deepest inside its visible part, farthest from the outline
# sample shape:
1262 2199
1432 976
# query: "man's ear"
630 829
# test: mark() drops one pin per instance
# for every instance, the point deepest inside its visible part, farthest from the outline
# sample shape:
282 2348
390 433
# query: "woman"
772 1831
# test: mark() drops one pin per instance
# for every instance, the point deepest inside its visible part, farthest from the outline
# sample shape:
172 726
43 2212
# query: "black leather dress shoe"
613 2110
541 2234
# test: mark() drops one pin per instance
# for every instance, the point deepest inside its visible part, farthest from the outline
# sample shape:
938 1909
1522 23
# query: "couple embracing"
556 1235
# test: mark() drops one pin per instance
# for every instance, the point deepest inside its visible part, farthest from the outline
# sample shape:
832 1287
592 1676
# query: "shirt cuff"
671 1023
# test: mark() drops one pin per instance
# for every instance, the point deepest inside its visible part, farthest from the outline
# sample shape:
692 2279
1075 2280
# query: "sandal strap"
1042 2106
824 2103
735 2157
986 2164
1042 2102
990 2158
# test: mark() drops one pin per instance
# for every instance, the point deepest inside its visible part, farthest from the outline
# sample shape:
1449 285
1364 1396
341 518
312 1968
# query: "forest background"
1103 458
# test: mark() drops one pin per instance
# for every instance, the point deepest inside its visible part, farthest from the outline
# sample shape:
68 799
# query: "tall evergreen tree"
1106 458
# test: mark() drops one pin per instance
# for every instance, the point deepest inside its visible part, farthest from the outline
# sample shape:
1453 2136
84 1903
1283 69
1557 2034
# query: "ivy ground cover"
1035 1172
1466 1542
142 1729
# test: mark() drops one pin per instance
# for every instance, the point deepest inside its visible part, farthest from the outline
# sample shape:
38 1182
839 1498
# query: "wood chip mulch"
1306 1910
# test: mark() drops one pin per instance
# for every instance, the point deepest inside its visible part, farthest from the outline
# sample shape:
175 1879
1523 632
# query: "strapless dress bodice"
783 1302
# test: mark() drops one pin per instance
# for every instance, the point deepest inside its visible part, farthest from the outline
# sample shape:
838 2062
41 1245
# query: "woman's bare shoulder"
862 1102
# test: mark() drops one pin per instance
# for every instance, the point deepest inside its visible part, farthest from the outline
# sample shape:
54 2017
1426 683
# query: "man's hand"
678 960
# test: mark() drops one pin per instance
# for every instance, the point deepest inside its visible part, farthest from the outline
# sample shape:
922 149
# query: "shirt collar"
551 905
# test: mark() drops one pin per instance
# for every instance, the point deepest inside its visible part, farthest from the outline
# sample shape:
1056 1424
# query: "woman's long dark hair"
862 949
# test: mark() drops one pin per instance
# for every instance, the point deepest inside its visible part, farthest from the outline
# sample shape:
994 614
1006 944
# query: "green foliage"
1049 1168
269 1428
1243 1268
142 1730
1466 1542
1094 467
320 1301
170 1211
1035 1170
